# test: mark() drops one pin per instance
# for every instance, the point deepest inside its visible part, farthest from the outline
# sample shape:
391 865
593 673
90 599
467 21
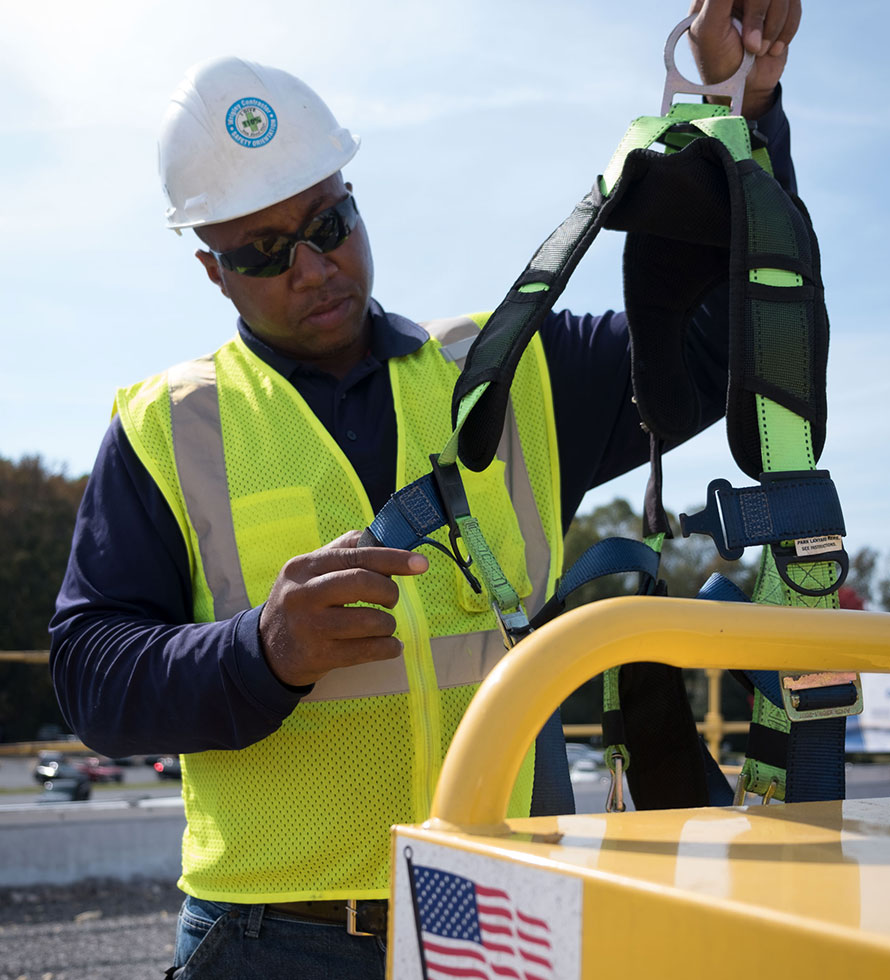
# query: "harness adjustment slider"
808 696
454 502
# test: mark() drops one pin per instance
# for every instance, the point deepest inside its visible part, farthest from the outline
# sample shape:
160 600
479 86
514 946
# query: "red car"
98 771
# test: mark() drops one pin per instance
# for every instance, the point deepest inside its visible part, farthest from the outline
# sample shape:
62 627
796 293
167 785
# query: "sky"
482 123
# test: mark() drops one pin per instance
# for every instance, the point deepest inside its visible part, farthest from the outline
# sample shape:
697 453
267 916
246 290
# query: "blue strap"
815 760
410 515
784 507
611 556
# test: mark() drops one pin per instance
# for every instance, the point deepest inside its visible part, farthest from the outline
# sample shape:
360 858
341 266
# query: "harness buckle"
513 625
808 696
454 503
710 521
366 918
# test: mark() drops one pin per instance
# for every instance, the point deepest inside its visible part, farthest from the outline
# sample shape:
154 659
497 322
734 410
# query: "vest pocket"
272 527
490 502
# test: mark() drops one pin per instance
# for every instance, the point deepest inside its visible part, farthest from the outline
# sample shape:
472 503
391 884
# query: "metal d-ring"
675 83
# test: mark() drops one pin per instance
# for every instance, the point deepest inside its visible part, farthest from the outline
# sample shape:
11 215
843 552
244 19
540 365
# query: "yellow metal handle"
519 695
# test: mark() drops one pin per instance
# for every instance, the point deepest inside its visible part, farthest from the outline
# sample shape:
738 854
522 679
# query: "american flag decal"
468 930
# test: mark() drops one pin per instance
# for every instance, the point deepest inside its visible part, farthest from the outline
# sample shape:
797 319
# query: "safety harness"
704 210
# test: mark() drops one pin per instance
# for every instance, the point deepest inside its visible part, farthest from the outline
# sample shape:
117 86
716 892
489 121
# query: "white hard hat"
238 137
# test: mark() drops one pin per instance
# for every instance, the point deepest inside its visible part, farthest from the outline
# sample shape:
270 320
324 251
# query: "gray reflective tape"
458 350
201 465
361 681
537 547
466 658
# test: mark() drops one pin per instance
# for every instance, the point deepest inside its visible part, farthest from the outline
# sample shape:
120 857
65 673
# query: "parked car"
168 767
100 772
48 764
62 782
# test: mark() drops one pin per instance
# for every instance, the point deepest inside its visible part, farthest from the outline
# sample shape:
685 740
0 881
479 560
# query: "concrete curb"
58 844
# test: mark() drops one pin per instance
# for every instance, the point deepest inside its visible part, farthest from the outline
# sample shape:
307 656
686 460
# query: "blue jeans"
220 941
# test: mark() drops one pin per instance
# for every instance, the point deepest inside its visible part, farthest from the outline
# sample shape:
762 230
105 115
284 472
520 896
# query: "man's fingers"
356 622
384 561
369 649
347 540
774 23
343 586
789 28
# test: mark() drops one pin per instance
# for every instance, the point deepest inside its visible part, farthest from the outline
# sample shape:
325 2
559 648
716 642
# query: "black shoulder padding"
779 334
693 219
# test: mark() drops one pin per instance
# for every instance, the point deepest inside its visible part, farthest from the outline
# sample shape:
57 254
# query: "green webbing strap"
486 567
786 443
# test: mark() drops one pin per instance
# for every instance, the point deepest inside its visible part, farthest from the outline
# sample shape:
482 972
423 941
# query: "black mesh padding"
666 764
778 334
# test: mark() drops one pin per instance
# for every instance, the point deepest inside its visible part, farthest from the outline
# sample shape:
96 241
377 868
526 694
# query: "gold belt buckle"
352 919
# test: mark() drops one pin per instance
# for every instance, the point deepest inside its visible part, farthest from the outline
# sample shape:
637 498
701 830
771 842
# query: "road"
17 784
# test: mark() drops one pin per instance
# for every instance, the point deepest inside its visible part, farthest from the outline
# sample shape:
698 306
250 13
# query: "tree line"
37 512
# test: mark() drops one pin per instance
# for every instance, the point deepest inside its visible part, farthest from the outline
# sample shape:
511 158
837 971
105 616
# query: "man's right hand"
307 626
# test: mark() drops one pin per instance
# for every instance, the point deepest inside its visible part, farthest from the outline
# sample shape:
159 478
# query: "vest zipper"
423 701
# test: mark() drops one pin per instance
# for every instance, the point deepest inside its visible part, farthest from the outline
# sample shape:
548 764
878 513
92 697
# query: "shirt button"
351 435
342 396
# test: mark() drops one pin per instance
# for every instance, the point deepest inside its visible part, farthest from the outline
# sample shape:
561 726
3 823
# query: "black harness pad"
695 219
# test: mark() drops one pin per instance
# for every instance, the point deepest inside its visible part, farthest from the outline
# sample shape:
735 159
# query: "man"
211 604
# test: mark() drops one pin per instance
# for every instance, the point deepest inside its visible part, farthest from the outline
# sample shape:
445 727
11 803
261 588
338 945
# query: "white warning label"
818 546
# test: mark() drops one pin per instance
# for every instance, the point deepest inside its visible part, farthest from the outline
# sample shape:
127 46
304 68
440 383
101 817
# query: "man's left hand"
768 27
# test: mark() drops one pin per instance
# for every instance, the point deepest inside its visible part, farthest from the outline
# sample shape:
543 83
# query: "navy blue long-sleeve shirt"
133 673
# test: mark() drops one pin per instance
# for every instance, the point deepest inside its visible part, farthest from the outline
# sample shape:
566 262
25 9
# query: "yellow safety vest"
253 478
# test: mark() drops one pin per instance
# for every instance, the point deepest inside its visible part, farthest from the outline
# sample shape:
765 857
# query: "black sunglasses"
267 257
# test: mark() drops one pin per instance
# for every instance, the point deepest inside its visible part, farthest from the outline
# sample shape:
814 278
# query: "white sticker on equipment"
460 913
818 546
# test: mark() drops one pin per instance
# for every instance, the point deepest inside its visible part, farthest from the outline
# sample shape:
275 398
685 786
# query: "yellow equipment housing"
715 892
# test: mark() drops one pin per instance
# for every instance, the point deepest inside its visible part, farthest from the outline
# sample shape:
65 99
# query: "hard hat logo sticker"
251 122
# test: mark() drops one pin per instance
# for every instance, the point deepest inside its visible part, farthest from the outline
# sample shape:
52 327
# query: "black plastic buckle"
454 502
709 521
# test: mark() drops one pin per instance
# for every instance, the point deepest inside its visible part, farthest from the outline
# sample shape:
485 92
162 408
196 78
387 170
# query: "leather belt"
361 917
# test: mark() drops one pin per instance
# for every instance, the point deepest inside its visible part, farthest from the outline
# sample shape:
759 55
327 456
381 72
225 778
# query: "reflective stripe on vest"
201 465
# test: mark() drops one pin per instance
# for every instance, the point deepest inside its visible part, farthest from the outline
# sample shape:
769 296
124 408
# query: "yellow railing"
25 656
520 694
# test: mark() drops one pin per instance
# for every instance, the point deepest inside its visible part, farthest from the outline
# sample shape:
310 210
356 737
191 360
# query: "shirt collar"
391 336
